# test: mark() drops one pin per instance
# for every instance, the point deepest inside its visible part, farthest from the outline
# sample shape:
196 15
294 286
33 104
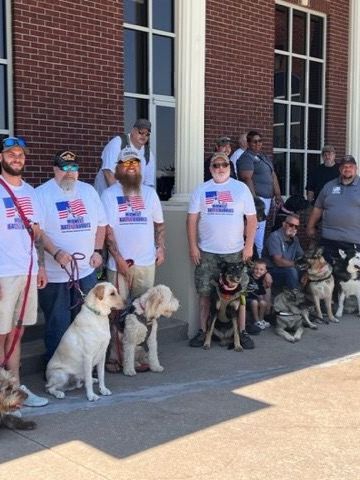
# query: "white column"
353 120
190 93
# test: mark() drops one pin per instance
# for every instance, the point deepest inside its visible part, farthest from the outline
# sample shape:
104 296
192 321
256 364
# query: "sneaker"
266 324
245 341
260 324
253 329
16 413
198 340
32 399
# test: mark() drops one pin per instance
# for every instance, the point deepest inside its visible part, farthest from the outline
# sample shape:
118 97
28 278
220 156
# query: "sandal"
113 366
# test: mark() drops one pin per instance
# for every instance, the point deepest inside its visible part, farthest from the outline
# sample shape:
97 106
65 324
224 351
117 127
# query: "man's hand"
96 260
42 279
195 255
63 258
268 281
247 253
160 256
123 268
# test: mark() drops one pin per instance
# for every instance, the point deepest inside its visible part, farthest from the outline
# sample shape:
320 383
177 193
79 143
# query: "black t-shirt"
320 176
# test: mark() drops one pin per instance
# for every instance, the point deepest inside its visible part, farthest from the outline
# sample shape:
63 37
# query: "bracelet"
98 250
56 253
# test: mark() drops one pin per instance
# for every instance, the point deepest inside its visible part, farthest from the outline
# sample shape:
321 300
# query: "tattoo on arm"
111 244
159 234
39 245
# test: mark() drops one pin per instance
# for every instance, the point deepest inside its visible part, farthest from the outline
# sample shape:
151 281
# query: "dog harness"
226 297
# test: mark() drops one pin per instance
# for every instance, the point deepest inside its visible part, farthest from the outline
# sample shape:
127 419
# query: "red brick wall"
68 62
239 69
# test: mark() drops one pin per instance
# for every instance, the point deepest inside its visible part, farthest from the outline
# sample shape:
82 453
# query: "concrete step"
32 348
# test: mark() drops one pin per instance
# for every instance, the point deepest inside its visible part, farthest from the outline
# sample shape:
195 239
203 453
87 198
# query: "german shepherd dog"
227 296
291 315
347 273
320 282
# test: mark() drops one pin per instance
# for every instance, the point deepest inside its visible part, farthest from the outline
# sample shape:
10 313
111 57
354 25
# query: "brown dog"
11 398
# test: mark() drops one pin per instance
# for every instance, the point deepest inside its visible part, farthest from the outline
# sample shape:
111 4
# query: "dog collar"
92 310
320 279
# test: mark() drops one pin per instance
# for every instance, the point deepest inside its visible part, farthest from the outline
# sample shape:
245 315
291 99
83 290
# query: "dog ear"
342 254
99 291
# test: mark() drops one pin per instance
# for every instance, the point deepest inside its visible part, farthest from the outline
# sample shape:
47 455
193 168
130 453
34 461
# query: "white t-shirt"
109 158
132 219
14 239
70 221
236 155
222 207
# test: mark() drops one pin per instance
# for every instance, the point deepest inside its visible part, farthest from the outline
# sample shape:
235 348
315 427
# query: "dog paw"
57 394
206 346
338 314
105 391
334 320
238 349
92 397
129 372
95 380
157 368
313 326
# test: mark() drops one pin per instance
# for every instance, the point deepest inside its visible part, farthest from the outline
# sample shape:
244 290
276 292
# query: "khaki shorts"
209 269
11 300
141 279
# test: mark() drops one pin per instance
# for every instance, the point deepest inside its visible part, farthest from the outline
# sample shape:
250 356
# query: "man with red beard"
135 234
15 258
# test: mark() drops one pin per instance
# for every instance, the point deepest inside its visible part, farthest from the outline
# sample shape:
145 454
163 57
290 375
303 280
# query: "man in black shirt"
323 173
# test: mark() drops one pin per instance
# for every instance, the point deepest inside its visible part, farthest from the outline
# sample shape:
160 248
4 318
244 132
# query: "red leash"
30 231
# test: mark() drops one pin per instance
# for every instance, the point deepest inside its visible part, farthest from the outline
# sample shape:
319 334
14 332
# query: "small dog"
294 204
84 345
141 326
291 315
348 272
226 297
320 282
11 398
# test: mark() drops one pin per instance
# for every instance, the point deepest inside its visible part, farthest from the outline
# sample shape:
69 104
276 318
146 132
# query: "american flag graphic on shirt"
75 208
223 197
24 203
136 202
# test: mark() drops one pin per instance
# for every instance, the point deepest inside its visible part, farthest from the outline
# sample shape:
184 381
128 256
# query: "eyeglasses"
219 165
129 163
292 225
256 141
141 132
70 168
13 142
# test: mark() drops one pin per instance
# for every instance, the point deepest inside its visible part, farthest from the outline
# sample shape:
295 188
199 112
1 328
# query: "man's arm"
280 261
246 177
192 234
62 257
250 231
277 191
314 218
39 245
96 259
109 177
110 240
159 231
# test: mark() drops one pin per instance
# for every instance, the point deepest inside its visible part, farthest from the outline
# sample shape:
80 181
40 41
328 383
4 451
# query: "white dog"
84 345
351 286
156 302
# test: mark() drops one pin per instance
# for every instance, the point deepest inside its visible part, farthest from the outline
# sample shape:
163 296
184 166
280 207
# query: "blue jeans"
285 277
55 301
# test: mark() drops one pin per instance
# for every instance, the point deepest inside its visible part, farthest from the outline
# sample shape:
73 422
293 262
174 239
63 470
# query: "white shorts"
11 300
141 279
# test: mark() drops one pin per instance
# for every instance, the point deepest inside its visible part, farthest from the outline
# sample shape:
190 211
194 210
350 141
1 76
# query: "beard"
68 184
8 169
130 183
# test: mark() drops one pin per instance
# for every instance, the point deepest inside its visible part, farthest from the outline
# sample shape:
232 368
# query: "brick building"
75 73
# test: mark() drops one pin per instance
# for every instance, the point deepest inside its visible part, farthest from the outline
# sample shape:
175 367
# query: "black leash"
73 273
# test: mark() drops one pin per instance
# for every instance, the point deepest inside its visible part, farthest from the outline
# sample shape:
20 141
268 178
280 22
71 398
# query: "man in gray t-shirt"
338 205
282 250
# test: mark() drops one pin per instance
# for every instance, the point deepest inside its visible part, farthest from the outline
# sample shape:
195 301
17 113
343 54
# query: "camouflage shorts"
209 269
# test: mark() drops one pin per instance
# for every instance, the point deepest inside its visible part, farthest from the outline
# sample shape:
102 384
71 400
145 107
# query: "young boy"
259 299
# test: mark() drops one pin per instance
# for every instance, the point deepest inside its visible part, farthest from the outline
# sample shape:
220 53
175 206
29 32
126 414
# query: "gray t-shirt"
263 172
341 211
277 244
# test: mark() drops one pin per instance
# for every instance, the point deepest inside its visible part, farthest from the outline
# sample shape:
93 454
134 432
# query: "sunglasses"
14 142
292 225
147 134
70 168
129 163
220 164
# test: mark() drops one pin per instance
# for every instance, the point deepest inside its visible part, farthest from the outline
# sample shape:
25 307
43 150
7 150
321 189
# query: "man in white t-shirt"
138 141
15 258
215 228
135 235
239 151
74 222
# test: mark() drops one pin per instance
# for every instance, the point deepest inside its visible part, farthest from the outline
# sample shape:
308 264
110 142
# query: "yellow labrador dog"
84 345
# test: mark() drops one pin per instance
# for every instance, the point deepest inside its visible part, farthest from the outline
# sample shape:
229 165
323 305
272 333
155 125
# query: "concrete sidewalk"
281 411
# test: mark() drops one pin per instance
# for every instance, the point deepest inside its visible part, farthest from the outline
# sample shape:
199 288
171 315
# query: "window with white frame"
299 95
149 39
5 69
